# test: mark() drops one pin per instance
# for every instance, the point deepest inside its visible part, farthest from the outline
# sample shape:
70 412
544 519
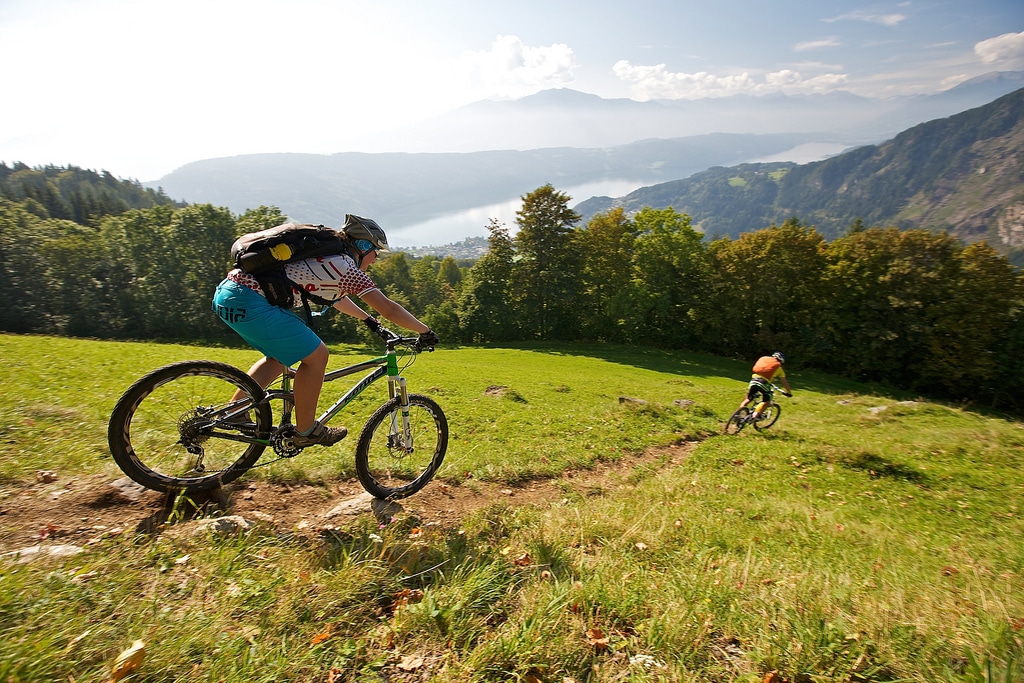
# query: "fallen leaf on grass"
523 560
597 639
410 663
128 661
407 596
322 636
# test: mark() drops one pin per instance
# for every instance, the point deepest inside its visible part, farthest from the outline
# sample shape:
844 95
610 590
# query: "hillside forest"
84 254
960 175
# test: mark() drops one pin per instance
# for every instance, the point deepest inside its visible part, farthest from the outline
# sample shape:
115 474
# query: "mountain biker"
285 339
767 369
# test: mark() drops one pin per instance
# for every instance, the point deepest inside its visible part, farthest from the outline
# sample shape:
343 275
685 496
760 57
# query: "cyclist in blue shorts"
285 339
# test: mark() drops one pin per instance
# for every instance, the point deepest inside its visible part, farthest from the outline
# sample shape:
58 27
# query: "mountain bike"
181 427
764 415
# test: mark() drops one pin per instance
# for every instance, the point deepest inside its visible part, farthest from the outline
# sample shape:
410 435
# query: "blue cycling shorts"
273 331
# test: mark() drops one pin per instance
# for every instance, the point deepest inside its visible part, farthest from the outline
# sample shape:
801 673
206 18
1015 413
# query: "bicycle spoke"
177 429
396 457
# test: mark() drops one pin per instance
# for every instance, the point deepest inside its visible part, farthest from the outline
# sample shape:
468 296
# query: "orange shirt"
768 368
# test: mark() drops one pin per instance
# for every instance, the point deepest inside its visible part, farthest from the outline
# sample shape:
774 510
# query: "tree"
544 276
887 291
485 310
393 276
605 249
82 279
972 354
426 287
449 276
173 261
763 293
667 274
260 218
21 264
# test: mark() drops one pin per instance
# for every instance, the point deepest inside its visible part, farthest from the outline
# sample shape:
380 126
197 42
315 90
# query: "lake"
457 226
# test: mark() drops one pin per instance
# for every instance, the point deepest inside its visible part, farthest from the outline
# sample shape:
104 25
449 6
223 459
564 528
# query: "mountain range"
561 137
568 118
961 174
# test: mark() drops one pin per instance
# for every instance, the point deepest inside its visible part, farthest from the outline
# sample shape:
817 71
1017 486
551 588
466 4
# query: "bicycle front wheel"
737 421
396 458
178 429
769 416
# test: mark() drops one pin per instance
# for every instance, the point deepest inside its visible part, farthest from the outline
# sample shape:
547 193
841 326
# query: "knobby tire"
737 421
176 407
769 416
386 467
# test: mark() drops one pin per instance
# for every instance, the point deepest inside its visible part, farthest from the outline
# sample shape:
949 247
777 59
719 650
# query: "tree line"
906 308
75 194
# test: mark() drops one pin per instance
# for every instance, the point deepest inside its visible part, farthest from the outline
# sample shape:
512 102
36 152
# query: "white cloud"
870 17
831 41
1006 51
511 68
657 82
953 81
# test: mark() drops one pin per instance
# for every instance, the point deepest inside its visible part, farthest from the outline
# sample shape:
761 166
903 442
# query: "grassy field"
866 537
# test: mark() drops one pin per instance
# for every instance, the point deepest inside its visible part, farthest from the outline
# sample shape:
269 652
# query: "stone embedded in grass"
40 552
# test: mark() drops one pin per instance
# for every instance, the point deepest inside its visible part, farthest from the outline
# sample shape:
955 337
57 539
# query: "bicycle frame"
380 367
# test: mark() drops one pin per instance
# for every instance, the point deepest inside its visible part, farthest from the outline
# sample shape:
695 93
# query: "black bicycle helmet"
359 228
778 355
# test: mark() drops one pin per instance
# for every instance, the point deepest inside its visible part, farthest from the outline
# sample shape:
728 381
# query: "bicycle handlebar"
391 340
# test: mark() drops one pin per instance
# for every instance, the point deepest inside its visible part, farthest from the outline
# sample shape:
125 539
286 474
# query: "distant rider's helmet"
364 234
779 356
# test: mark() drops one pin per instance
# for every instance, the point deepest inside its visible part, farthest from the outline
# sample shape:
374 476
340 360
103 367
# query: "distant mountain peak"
959 174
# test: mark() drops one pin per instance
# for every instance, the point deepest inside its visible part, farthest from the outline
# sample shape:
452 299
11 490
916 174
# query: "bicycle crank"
283 442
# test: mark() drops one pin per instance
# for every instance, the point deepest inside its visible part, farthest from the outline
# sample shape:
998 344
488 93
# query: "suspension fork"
400 426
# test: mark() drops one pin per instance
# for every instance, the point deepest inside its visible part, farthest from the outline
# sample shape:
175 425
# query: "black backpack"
264 254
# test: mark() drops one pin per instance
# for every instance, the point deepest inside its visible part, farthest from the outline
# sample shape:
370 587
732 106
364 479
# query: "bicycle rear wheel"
737 421
176 428
392 463
769 416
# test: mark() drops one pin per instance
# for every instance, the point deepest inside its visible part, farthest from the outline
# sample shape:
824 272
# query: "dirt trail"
60 509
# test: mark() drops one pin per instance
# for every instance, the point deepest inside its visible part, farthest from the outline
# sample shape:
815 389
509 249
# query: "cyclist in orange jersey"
767 369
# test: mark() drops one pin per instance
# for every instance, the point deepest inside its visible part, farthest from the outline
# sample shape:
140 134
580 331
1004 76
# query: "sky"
141 87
